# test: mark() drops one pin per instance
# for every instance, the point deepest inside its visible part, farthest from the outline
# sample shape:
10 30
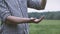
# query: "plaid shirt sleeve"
4 12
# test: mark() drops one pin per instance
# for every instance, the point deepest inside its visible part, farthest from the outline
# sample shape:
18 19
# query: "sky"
52 5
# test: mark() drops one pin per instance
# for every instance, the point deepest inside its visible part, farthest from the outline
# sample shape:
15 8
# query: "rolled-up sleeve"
4 12
31 4
36 4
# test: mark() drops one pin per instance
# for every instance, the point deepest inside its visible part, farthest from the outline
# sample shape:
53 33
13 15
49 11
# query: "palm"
39 20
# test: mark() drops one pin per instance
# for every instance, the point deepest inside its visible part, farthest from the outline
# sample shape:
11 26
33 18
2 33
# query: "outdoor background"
51 22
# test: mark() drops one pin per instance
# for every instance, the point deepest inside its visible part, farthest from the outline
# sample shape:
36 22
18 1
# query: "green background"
46 27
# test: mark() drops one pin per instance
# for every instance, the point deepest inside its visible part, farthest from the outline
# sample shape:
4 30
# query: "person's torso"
17 8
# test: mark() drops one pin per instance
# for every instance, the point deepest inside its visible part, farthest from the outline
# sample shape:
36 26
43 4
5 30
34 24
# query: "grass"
46 27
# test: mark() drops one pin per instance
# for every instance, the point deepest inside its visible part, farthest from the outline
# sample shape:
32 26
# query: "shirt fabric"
16 8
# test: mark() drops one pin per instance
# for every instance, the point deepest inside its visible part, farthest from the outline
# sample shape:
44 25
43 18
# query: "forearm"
17 20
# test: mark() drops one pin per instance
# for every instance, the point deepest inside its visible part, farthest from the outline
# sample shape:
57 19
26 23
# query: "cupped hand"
38 20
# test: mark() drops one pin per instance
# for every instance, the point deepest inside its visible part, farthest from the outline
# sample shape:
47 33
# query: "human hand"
37 20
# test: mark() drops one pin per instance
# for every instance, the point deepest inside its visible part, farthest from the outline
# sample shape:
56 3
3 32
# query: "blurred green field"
46 27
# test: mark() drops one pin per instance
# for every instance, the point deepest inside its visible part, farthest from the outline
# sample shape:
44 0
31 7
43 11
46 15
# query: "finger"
39 20
42 17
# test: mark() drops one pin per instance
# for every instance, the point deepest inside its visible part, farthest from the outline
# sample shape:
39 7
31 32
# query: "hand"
32 19
38 20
